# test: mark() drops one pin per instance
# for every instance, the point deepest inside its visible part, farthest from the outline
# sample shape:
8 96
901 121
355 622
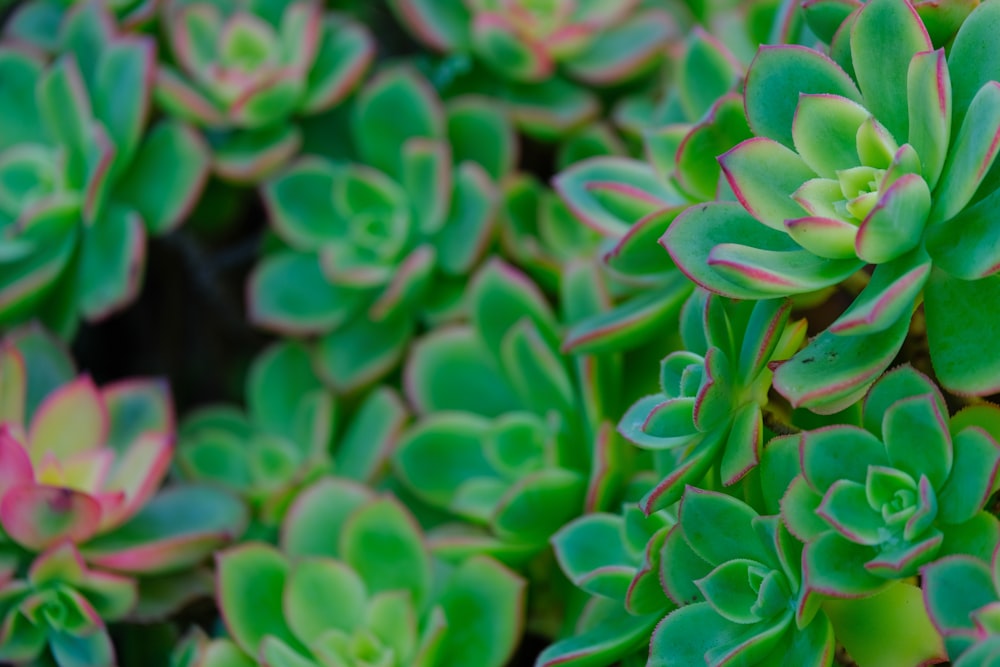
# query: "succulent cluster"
565 333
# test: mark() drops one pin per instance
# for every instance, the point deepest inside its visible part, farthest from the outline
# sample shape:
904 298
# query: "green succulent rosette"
738 579
706 426
538 57
37 23
509 437
246 70
83 183
831 20
616 559
962 594
354 584
284 440
875 502
876 162
384 243
85 535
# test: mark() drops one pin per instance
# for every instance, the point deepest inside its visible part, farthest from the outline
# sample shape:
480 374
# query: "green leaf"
727 588
309 589
839 452
280 379
314 523
970 156
246 157
377 538
835 567
379 128
361 351
918 419
889 629
252 580
22 120
825 129
928 94
443 27
588 543
500 296
346 50
606 642
112 263
124 82
889 296
497 42
451 369
277 300
469 224
623 50
833 371
480 132
696 634
954 587
972 477
970 60
975 253
884 38
371 435
764 174
896 224
776 78
957 327
538 504
484 604
719 528
847 509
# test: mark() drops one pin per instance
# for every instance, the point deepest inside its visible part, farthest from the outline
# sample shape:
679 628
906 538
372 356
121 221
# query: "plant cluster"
651 333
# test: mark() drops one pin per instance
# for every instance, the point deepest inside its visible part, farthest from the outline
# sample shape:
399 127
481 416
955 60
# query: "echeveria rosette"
873 504
500 411
247 69
83 181
962 595
354 584
84 533
737 577
36 23
708 416
387 241
878 167
62 604
615 558
284 439
539 53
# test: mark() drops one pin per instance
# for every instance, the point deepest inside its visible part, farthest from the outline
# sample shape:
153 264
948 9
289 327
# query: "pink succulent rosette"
77 468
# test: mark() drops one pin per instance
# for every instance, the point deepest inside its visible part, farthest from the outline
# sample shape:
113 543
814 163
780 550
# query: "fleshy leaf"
928 90
719 527
912 420
763 174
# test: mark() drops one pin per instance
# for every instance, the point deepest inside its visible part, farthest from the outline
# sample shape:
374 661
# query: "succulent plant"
708 419
538 50
354 584
962 596
874 503
37 23
831 20
245 69
283 441
81 527
738 578
876 161
387 242
83 182
615 558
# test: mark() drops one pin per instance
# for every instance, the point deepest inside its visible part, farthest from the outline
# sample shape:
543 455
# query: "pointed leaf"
928 94
763 174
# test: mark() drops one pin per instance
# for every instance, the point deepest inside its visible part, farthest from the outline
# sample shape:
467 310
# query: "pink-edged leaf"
719 528
834 566
300 204
763 174
928 94
694 163
137 474
918 417
798 510
194 35
824 17
248 157
519 57
112 263
372 435
15 464
481 132
167 176
184 101
470 223
589 543
176 529
124 83
346 51
276 300
954 587
427 179
610 640
99 155
776 78
831 238
686 468
905 559
833 371
361 351
960 360
839 452
845 507
310 584
885 37
741 451
408 285
889 296
380 130
763 331
975 252
621 51
443 27
552 109
970 69
971 154
37 516
71 420
825 129
609 194
137 406
299 34
251 584
972 475
896 224
777 273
